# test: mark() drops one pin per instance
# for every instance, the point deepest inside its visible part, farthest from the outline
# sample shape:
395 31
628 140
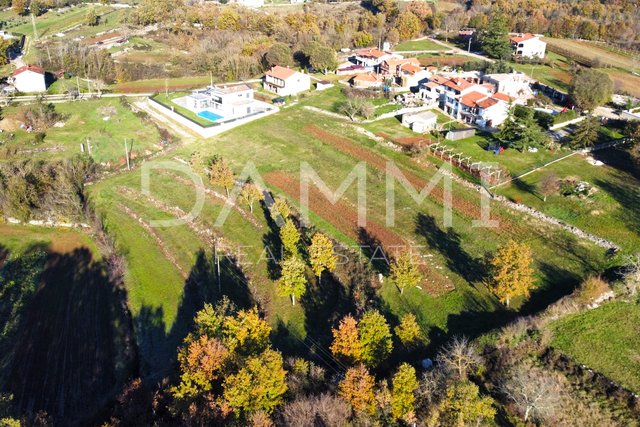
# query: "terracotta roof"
432 85
32 68
458 83
471 99
486 103
366 78
371 53
432 68
439 79
502 96
279 72
522 38
410 68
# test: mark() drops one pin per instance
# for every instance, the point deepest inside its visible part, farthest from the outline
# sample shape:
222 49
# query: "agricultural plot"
443 60
605 339
159 85
416 45
70 348
57 20
557 74
104 124
163 261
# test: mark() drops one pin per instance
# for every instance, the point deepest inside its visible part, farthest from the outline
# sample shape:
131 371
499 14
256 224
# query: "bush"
565 116
591 289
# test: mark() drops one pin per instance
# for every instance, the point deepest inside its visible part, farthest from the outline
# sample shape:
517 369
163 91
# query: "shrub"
591 289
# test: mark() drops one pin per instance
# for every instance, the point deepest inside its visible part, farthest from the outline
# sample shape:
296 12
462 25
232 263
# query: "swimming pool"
212 117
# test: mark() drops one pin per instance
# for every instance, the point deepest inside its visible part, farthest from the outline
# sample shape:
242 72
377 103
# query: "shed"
323 84
458 134
421 121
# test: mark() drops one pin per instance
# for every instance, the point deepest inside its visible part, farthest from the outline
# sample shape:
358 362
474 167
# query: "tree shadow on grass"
74 349
619 159
560 282
525 187
372 248
449 244
629 198
272 244
158 345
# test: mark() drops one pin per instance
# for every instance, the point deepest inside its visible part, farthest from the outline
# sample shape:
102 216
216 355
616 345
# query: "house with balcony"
528 45
371 58
284 81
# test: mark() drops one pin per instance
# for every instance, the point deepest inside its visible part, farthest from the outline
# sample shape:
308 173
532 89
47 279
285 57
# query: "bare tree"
352 107
549 185
534 392
325 410
459 357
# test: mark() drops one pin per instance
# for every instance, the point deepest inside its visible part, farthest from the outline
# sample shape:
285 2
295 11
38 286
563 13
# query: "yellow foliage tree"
321 254
251 193
346 343
403 395
293 281
221 174
290 237
357 388
408 331
201 362
405 271
512 275
246 332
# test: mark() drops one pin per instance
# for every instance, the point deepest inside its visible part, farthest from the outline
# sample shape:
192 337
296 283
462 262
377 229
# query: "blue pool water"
209 115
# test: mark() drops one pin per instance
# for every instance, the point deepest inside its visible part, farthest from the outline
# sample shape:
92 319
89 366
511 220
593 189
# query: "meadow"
162 262
415 45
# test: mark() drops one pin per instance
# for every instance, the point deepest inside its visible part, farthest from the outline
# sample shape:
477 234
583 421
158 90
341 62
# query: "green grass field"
424 44
55 21
160 260
606 339
158 85
556 75
84 122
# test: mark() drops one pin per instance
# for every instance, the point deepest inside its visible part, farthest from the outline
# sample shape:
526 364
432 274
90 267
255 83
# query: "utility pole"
126 153
78 86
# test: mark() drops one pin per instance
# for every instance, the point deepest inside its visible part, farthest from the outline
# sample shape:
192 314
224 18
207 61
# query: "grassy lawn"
606 339
607 55
158 85
556 75
54 21
442 60
425 44
62 86
19 238
84 121
611 212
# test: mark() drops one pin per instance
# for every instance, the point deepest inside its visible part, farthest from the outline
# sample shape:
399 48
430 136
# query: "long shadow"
526 187
619 159
272 244
210 278
448 243
563 283
372 248
73 350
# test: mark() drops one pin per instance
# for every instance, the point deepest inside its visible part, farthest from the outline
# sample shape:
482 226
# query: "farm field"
162 260
84 121
442 60
605 339
55 21
556 75
424 44
70 317
607 55
158 85
612 212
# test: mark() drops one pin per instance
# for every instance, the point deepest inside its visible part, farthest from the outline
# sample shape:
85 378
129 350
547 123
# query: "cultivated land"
605 339
73 321
424 44
557 74
84 122
53 21
164 263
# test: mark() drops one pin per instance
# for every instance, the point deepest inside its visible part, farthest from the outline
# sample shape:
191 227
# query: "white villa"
528 45
371 59
516 85
285 81
225 101
29 79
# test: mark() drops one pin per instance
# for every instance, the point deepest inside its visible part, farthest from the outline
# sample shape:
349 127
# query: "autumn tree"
375 338
405 271
251 193
323 57
293 281
279 54
512 274
586 133
420 8
290 237
590 88
259 385
19 6
403 394
463 405
280 207
362 39
91 18
549 185
321 254
346 341
229 19
495 40
201 362
357 388
220 174
408 331
246 332
408 25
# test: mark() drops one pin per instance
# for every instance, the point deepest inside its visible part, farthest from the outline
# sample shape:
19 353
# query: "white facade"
29 81
516 85
528 46
285 81
421 122
227 101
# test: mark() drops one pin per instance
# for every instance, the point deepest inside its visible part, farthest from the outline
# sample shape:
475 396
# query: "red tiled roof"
371 53
486 103
471 99
410 68
366 78
439 79
458 84
502 96
32 68
522 38
279 72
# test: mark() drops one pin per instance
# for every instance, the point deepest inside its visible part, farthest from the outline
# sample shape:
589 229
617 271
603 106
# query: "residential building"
29 79
350 68
410 76
516 85
367 81
225 101
323 84
528 46
372 58
421 121
392 66
284 81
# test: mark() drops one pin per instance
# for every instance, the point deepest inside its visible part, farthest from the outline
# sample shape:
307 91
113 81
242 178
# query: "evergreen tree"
495 40
586 133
